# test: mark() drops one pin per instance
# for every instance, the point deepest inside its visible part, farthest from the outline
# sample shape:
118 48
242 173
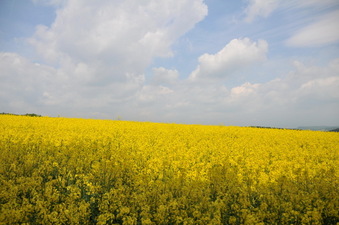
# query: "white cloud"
306 95
151 93
123 35
22 83
93 56
101 43
32 87
236 55
164 76
260 8
322 88
244 90
322 32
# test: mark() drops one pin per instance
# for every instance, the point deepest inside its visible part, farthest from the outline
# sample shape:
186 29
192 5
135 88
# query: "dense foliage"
77 171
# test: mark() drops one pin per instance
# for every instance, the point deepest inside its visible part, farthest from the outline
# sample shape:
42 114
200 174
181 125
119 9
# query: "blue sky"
250 62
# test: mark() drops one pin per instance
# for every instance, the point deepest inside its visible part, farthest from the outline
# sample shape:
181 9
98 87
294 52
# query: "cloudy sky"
250 62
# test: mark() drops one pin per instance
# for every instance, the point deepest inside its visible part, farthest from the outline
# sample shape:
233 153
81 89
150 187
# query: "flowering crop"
82 171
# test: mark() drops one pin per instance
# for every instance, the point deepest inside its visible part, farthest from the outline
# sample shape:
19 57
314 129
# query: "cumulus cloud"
236 55
306 95
317 85
323 88
114 32
24 84
108 40
244 90
260 8
27 86
95 53
164 76
322 32
150 93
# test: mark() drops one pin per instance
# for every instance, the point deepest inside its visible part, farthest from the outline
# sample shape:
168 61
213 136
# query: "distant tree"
32 115
27 114
4 113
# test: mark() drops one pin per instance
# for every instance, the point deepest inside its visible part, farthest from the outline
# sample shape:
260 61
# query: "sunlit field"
82 171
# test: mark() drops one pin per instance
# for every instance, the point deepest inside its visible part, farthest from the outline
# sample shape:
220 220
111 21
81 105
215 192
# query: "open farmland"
82 171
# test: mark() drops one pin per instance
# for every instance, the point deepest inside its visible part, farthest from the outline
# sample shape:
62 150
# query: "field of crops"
81 171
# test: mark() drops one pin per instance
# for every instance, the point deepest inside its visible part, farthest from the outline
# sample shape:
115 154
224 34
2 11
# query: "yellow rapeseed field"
82 171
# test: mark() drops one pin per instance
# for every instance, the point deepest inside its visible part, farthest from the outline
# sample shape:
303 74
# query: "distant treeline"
331 130
27 114
272 128
299 128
